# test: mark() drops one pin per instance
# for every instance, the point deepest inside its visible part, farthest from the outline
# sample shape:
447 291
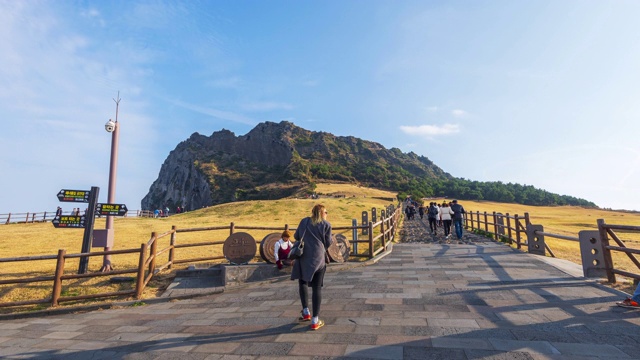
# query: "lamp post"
114 129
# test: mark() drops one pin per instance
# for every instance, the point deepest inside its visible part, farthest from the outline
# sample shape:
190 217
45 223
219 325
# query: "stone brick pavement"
425 300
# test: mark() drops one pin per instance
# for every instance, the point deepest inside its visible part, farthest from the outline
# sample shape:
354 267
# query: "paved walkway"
425 300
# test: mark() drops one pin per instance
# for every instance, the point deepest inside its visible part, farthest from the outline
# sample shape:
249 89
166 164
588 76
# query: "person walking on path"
310 268
432 216
458 210
445 215
633 301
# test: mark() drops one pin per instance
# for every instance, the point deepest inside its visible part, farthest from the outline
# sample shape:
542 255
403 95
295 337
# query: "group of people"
439 215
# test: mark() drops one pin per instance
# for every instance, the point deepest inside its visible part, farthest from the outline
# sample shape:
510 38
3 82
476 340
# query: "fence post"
57 282
608 262
486 222
526 219
495 226
354 235
44 217
27 218
516 219
232 228
370 240
152 255
9 218
478 219
140 277
535 242
384 243
509 229
172 244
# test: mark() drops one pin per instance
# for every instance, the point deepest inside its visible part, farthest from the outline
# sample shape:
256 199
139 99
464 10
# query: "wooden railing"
595 245
149 259
34 217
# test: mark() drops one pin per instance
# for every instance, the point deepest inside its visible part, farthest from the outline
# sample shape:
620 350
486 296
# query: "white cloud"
267 106
431 131
459 113
220 114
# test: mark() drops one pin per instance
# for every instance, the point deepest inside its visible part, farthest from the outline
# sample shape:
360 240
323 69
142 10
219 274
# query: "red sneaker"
317 325
304 317
628 303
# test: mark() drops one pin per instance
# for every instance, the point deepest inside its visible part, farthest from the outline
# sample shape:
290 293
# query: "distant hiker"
412 211
421 210
445 214
58 211
309 269
407 212
439 218
432 216
458 210
281 250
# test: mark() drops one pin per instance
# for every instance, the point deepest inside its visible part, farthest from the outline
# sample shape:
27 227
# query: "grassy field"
19 240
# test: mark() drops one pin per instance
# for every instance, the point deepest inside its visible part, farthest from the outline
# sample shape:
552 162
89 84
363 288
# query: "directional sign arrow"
74 195
69 221
111 209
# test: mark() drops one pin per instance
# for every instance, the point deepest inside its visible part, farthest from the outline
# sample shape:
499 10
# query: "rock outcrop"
274 160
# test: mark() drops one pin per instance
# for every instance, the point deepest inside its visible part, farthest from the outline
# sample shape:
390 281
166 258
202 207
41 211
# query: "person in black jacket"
458 210
309 269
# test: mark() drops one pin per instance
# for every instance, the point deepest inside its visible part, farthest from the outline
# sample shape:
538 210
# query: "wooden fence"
149 254
595 245
34 217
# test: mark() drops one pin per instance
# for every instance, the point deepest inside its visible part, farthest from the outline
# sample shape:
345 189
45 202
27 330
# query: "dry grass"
20 240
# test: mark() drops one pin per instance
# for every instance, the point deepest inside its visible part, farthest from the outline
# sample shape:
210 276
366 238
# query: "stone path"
425 300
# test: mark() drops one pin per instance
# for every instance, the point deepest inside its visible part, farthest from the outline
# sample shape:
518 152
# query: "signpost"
74 195
69 221
86 221
111 209
88 230
82 221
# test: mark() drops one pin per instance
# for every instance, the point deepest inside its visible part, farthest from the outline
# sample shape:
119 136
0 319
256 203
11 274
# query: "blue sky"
543 93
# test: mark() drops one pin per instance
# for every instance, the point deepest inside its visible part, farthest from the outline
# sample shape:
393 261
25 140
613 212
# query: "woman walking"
445 213
309 270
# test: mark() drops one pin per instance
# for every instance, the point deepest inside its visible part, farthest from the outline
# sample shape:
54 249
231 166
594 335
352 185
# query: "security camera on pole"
114 128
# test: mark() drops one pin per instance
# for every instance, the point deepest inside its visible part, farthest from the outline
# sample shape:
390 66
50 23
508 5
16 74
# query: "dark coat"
317 238
458 210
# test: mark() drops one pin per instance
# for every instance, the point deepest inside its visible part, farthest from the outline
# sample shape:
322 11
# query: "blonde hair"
317 214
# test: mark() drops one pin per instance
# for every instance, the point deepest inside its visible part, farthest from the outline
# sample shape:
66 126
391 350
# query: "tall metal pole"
111 195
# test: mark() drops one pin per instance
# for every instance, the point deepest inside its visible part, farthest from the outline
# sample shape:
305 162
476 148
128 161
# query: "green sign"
69 221
74 195
111 209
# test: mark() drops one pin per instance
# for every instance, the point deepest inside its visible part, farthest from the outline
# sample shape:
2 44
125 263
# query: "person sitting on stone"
281 250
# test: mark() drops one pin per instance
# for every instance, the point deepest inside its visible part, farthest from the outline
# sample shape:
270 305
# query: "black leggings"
432 224
447 227
316 295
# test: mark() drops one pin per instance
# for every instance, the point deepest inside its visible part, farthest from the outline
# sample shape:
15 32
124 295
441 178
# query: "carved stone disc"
239 248
266 247
339 249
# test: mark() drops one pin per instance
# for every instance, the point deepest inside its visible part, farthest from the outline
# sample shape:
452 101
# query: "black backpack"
433 211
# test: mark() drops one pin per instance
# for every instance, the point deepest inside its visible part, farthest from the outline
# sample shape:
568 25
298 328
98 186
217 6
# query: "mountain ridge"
276 160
